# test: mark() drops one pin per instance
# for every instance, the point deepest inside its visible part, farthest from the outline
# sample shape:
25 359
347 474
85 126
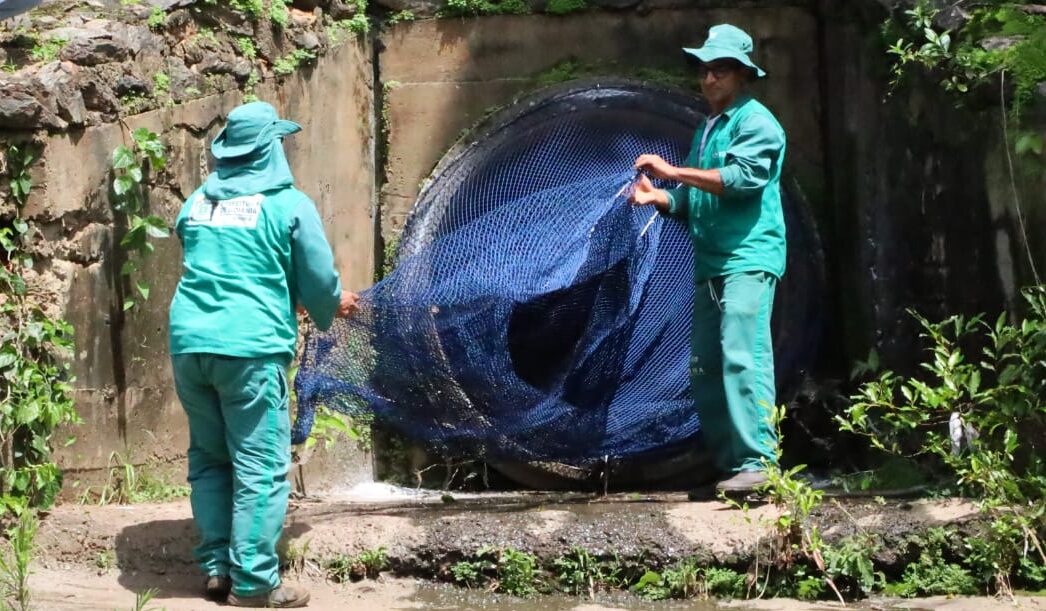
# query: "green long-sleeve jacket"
743 229
253 248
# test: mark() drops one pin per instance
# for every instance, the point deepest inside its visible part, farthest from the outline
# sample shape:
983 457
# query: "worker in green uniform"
253 251
729 196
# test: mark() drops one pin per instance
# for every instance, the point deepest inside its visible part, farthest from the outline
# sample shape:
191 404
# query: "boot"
742 484
217 588
283 597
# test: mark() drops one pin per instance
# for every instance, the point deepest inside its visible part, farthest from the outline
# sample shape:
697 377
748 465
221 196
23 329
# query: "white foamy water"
380 491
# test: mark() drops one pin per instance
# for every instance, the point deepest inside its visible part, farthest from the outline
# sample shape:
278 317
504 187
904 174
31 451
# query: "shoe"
217 588
742 484
283 597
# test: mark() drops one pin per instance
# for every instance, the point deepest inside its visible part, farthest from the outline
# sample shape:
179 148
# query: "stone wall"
909 215
123 388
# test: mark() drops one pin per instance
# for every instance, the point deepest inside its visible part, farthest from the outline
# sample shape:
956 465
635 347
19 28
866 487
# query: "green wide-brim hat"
249 128
727 42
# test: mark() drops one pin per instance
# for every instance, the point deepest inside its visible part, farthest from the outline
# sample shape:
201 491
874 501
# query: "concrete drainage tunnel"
536 321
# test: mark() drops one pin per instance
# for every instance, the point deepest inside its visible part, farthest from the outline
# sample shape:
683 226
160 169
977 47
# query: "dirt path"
79 589
99 557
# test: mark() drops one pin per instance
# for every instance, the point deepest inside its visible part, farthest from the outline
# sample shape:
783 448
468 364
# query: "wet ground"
98 557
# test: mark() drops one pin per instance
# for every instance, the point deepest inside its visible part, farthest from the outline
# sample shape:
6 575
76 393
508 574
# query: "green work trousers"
239 455
732 368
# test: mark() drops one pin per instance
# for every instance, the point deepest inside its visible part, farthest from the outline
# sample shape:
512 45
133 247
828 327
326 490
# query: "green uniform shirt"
248 261
743 229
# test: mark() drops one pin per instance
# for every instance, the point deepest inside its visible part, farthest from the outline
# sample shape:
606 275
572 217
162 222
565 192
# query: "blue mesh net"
532 314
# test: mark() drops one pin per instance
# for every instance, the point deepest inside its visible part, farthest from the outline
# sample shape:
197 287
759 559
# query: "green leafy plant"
105 560
278 12
252 8
724 583
294 555
367 564
932 574
130 168
473 573
472 8
141 599
849 561
127 484
246 47
565 7
579 572
157 18
359 24
249 94
161 83
292 61
47 50
960 60
683 580
14 564
35 391
401 16
516 572
505 570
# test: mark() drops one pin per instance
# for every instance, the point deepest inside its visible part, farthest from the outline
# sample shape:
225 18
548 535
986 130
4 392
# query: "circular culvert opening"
559 136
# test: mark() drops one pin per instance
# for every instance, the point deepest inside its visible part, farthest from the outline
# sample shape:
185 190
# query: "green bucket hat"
727 42
250 127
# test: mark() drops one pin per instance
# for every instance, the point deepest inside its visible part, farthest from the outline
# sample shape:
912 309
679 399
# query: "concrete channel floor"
95 557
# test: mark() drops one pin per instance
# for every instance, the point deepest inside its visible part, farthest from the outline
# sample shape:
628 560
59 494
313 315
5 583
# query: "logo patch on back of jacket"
236 212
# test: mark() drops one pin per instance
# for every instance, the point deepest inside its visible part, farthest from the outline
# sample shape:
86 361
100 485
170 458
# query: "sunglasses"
718 70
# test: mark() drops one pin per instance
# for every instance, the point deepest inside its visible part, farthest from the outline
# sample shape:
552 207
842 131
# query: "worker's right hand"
644 193
349 304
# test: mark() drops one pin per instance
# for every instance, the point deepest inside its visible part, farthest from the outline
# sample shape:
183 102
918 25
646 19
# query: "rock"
418 7
339 9
242 68
185 84
130 84
217 64
21 110
170 5
99 97
224 18
59 80
306 40
94 50
951 18
1000 43
141 40
303 19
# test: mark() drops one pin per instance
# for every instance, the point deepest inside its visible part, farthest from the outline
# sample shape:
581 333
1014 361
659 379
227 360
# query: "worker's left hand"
349 304
655 166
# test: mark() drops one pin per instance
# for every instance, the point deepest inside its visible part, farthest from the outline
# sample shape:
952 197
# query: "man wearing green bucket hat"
253 251
729 196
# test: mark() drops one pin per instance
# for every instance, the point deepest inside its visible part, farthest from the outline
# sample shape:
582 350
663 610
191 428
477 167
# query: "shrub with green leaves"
959 60
565 7
724 583
130 166
933 574
979 413
35 391
472 8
